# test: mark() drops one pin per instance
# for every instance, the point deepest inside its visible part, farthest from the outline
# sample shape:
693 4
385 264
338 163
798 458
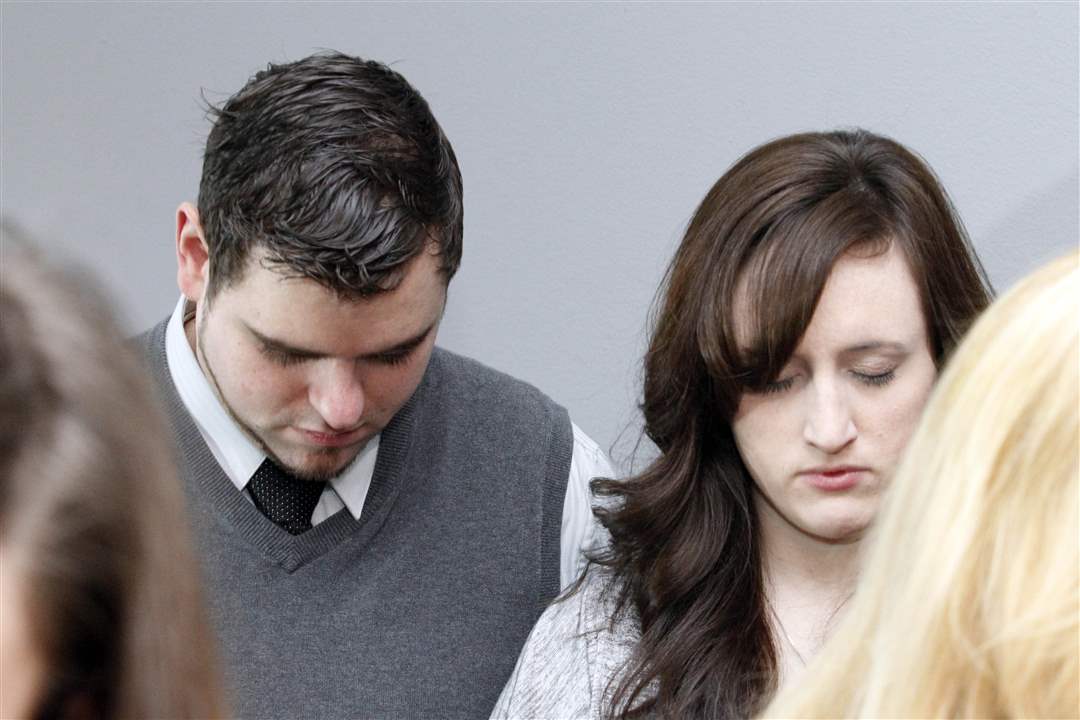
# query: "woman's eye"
777 386
875 379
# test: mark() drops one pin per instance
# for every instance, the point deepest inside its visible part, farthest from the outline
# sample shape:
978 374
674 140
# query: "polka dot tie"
285 499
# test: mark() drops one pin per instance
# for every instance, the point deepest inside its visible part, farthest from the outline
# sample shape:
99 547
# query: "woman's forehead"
867 298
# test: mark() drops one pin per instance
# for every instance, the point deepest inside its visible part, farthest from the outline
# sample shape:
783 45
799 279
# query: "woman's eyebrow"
896 348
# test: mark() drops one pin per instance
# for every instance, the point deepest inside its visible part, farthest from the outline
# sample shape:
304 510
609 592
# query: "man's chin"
318 466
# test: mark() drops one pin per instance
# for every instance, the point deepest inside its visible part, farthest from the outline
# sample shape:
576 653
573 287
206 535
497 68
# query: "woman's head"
820 284
101 597
971 592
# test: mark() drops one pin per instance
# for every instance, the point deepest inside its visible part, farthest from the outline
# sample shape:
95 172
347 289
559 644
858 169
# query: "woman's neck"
808 581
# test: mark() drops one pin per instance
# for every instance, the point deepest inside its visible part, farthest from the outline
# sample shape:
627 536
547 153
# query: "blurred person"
102 613
381 520
819 286
969 604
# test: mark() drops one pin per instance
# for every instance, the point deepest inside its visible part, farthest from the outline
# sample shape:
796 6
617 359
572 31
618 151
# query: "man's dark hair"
335 167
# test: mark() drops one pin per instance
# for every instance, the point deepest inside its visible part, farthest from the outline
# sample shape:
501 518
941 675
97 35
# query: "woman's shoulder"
577 647
612 629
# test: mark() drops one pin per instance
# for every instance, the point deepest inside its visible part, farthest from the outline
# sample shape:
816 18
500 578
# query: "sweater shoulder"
151 342
471 380
149 347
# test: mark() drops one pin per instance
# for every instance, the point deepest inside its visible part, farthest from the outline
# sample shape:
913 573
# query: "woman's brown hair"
685 543
92 517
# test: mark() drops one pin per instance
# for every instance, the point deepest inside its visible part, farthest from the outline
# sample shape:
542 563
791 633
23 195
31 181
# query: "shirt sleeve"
551 680
580 529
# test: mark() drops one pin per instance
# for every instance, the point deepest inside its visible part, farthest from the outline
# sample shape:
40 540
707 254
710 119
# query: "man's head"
335 167
329 224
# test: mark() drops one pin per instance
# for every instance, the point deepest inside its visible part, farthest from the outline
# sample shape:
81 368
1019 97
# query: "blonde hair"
92 516
969 601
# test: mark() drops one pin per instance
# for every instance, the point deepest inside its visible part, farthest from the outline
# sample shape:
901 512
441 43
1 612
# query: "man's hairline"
348 295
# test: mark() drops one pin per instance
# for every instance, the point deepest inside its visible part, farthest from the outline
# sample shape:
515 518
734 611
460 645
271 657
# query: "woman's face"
823 441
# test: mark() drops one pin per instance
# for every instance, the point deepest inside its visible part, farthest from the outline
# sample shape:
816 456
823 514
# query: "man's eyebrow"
283 347
401 348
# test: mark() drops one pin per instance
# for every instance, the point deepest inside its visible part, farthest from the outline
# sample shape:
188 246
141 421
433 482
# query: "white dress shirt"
239 457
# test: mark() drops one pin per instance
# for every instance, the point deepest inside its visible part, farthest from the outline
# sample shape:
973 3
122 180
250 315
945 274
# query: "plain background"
586 133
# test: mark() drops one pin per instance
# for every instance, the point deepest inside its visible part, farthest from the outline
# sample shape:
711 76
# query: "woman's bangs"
781 281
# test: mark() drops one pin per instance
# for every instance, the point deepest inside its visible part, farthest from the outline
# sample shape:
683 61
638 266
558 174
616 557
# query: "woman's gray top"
576 650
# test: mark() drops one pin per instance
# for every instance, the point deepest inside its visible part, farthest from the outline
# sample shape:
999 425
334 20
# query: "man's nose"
829 424
337 395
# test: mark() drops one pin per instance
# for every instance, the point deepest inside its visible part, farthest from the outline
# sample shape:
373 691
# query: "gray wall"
586 134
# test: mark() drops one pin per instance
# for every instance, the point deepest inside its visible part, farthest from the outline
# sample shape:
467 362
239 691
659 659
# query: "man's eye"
281 358
394 358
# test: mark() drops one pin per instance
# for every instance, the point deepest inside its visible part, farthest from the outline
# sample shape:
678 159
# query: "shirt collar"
238 456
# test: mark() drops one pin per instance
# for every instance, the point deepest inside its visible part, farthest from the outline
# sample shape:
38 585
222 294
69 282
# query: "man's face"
309 376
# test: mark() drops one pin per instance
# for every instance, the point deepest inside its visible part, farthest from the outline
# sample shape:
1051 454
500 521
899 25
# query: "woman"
971 594
820 284
102 613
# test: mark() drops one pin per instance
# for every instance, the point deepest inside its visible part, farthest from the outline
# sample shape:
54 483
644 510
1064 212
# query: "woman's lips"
835 479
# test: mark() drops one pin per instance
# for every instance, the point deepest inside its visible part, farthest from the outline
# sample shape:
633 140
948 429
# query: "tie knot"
284 498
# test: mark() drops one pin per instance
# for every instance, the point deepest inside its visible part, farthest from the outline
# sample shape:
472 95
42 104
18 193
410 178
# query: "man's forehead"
300 312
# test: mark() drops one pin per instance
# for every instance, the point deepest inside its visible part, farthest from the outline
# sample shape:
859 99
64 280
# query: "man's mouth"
332 439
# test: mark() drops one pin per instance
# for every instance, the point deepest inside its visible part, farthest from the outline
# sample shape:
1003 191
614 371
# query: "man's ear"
192 254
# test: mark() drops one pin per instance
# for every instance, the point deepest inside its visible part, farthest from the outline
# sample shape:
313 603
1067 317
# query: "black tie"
285 499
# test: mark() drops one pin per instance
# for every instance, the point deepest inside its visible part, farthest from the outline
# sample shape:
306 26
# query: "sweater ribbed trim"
554 497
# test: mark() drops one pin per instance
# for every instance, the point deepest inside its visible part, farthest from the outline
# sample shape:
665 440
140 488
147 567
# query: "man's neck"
189 332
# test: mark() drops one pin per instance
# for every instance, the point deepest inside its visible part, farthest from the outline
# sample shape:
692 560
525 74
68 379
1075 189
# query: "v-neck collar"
290 552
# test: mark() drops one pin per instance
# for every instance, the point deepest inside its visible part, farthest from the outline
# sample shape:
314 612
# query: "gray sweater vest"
417 610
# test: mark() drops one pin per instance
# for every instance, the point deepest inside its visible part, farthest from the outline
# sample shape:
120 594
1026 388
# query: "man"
380 521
